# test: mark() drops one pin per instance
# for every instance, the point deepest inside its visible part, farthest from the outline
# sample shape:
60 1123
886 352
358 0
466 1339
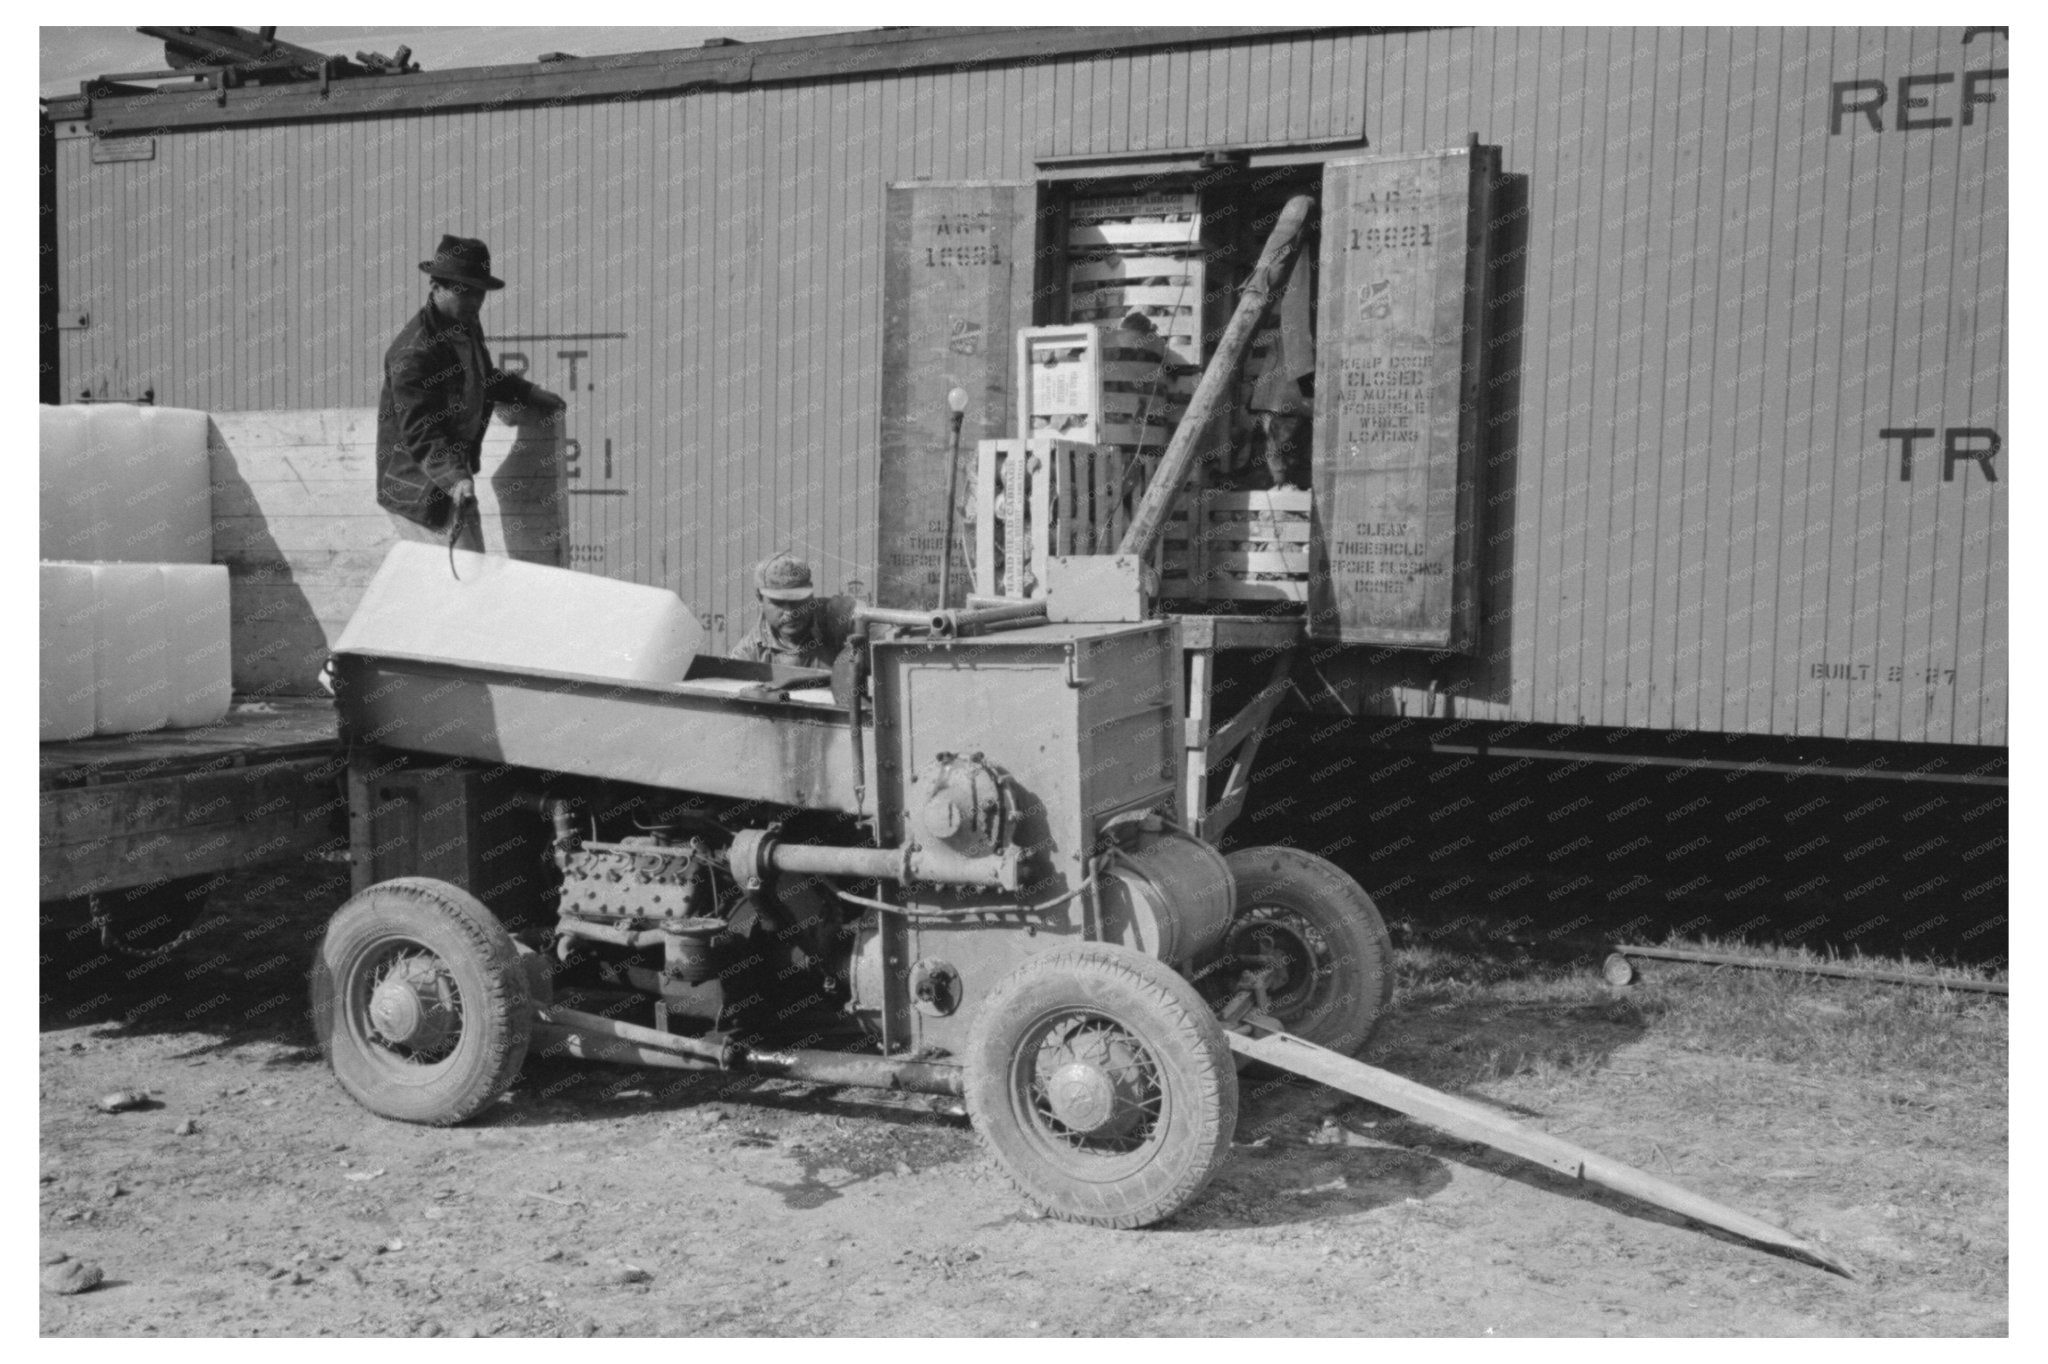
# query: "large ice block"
196 620
132 653
67 613
520 615
124 482
164 505
68 489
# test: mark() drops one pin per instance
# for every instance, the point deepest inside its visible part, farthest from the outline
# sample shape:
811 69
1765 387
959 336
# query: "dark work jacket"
439 385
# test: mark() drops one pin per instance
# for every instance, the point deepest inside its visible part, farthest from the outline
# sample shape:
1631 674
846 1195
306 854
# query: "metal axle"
592 1037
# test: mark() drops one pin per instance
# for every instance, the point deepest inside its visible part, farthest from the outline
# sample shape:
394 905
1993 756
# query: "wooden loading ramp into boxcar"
1259 1038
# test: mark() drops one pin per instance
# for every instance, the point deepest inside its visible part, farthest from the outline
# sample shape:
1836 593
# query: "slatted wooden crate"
1140 253
1096 385
1012 517
1167 290
1046 497
1238 546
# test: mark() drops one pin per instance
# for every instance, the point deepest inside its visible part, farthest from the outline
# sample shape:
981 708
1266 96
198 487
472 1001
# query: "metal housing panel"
1104 703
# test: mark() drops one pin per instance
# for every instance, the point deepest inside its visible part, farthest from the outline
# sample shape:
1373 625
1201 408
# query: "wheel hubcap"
1082 1097
1096 1086
413 1006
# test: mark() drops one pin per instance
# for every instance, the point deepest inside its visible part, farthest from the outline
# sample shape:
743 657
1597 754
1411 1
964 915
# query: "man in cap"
798 628
439 386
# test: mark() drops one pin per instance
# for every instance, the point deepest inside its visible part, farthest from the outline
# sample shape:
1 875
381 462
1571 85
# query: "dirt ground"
595 1201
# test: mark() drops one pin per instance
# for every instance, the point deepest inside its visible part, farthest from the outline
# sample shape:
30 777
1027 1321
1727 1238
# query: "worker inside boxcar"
1283 396
439 387
797 628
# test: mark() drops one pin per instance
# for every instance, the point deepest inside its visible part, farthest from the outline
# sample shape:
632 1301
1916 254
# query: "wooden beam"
1265 1040
1252 718
1194 771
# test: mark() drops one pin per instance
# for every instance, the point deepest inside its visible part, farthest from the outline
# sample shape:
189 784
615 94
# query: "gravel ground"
252 1197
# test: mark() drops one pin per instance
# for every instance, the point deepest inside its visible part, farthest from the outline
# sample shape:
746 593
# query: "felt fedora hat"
463 260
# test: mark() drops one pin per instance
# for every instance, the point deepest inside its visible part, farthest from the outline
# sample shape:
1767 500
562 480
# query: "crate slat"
1186 232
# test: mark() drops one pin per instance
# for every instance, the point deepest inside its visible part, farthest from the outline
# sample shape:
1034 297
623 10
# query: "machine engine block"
636 878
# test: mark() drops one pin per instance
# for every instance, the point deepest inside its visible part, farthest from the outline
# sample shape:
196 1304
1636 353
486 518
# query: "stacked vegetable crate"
1141 254
1100 395
1225 546
1098 403
1046 496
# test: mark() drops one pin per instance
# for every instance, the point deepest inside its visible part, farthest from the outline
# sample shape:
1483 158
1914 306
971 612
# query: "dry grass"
1871 1117
1544 1020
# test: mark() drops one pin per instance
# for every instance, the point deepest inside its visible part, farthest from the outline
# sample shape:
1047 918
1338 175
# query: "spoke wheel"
1302 915
421 1002
1102 1085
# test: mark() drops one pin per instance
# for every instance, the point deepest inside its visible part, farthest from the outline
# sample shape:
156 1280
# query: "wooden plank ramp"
1263 1039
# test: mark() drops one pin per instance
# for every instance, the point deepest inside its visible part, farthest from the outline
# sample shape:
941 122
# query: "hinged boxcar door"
1397 456
957 283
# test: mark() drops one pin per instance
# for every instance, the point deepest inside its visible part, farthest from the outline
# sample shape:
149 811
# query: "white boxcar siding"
1729 285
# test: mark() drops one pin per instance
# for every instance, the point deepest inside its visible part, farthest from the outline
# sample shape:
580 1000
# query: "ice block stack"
125 483
134 620
503 612
132 647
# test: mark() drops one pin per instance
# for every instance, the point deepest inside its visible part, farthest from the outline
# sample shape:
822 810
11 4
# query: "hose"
1054 903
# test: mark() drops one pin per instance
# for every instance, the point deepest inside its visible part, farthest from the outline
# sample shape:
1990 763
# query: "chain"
102 921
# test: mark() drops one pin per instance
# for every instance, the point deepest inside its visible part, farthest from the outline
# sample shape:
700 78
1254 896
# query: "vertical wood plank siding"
1723 302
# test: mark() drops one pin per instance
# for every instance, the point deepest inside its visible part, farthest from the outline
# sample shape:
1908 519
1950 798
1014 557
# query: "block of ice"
68 608
125 482
518 615
132 649
199 662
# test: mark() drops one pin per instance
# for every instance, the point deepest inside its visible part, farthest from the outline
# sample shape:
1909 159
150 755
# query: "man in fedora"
439 387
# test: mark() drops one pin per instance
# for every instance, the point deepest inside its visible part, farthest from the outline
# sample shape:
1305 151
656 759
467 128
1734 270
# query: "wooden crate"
1046 497
1011 517
1238 546
1097 385
1139 253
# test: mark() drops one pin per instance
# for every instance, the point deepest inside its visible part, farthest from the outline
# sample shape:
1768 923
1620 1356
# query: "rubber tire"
1341 1015
497 1001
1146 998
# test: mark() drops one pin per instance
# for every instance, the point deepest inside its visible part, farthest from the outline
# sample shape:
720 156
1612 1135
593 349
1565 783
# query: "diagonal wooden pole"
1148 522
